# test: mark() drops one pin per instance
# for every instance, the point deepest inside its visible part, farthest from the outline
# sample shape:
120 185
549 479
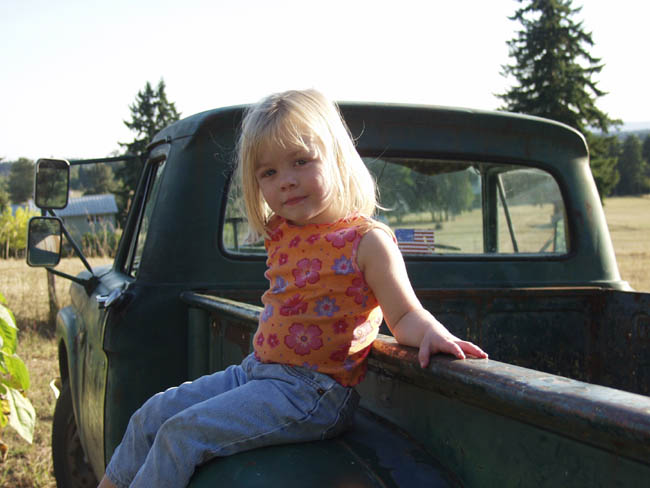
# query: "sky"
71 68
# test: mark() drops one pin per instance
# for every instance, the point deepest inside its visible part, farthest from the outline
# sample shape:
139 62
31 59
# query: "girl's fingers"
472 349
424 353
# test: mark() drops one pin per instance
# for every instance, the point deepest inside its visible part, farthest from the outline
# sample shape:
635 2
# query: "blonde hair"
294 118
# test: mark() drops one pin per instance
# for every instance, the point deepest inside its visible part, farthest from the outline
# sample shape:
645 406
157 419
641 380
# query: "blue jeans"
244 407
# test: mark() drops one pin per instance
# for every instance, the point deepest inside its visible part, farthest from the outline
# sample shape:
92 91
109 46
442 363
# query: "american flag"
415 241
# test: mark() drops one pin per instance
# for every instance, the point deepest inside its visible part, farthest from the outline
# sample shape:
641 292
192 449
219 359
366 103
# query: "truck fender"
67 339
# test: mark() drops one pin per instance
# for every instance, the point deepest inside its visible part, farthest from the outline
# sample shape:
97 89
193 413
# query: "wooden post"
54 302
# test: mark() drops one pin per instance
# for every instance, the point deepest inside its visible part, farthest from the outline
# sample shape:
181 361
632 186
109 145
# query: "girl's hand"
383 267
437 339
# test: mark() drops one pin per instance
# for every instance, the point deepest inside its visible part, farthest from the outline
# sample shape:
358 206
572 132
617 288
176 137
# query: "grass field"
25 289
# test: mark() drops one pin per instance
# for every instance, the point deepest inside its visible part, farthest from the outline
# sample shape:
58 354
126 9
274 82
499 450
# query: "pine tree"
554 73
645 151
603 154
150 113
553 67
632 168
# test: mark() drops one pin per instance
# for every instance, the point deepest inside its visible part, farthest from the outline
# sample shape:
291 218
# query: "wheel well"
63 362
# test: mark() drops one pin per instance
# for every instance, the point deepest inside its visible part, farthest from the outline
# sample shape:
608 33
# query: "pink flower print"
273 341
293 306
267 313
313 238
259 340
340 326
340 354
280 285
326 307
276 234
303 339
338 238
343 266
358 290
283 259
294 242
307 271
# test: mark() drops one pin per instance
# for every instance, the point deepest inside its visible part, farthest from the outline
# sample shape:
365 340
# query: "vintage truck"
505 241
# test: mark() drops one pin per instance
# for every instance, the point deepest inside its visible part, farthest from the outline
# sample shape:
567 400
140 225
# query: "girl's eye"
301 162
268 172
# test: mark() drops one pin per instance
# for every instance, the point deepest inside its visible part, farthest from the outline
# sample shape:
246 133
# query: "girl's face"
295 183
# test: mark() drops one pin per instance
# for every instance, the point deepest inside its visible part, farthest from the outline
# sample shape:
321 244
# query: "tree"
645 151
603 154
632 168
97 179
150 113
554 73
4 194
21 180
553 67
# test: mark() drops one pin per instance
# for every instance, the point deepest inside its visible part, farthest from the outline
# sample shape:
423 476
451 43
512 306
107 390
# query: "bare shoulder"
377 245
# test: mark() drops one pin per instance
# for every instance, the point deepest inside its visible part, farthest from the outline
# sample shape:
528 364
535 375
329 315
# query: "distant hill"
639 129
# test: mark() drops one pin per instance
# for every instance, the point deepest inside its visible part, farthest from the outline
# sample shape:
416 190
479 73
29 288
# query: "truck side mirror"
44 242
52 183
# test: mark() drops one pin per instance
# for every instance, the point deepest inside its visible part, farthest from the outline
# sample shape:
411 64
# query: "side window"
151 191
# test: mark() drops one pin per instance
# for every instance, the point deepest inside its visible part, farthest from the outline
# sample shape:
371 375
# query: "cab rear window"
440 207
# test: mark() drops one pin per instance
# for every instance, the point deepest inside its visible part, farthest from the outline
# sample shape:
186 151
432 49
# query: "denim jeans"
243 407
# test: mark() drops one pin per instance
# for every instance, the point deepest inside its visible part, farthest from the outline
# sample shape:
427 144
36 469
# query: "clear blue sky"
70 68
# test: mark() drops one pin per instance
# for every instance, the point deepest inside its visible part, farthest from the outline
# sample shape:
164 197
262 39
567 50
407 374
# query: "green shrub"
15 409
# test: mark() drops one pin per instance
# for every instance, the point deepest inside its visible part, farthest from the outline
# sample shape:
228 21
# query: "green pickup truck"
505 241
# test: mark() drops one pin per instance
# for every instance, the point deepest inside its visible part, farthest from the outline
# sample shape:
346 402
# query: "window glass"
531 215
434 207
440 207
137 246
235 237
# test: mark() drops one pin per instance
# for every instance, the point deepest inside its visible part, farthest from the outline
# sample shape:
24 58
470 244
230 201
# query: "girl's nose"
289 181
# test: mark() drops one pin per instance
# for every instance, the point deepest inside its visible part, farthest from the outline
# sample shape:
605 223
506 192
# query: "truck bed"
488 422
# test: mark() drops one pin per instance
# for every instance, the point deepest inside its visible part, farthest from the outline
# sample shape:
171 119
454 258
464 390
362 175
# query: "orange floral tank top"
318 311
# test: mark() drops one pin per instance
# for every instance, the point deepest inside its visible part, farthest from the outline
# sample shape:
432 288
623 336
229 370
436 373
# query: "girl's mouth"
294 201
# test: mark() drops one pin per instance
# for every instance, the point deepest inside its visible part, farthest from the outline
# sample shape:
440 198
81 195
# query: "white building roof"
89 205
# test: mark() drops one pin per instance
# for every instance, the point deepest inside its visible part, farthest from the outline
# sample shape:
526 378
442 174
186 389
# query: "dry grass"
628 219
25 289
26 292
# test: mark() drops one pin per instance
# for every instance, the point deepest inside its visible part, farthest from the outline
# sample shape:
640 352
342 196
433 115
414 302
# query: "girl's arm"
382 264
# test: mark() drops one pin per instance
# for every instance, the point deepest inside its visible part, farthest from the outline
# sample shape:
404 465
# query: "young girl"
334 273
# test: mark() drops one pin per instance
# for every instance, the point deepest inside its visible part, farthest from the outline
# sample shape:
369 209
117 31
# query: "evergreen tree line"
150 112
